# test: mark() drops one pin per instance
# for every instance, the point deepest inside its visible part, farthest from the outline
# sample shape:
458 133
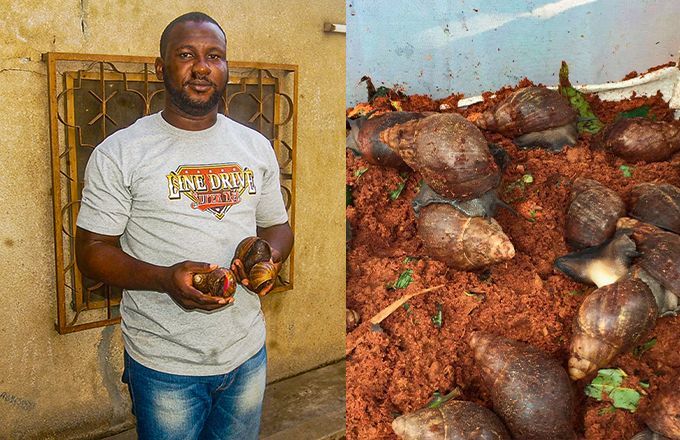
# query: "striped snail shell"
592 213
252 250
657 204
219 282
611 320
641 139
261 275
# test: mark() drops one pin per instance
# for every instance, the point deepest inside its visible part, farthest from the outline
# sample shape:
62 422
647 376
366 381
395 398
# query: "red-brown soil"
397 370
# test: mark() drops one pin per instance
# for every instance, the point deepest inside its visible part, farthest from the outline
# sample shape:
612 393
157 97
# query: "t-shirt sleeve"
106 200
271 210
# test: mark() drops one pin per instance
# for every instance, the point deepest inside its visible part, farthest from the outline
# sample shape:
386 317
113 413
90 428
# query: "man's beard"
188 106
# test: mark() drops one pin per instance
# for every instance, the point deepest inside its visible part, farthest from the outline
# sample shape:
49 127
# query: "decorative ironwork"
91 97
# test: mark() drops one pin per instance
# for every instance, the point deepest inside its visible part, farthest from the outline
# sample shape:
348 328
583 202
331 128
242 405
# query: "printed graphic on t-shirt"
213 188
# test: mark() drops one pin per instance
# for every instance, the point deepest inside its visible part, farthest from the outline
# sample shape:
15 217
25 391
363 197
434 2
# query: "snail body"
530 391
364 138
592 214
611 320
533 116
483 206
255 255
663 415
600 265
657 204
641 139
450 153
462 242
454 420
219 282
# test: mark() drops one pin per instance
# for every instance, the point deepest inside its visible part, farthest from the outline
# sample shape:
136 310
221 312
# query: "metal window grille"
91 97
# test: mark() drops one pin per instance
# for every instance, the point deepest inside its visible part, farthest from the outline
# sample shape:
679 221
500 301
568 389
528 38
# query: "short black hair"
198 17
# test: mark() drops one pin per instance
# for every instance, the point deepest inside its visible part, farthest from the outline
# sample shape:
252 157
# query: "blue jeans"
174 407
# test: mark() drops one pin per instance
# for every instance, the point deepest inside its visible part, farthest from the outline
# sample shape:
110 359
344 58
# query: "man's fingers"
237 267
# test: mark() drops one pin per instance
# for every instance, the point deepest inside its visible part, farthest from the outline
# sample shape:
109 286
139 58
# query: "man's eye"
185 55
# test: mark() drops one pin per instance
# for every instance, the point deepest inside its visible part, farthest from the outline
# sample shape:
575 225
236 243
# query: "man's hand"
178 284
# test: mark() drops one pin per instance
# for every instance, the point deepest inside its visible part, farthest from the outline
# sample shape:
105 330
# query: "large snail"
460 241
530 391
454 420
656 204
641 139
364 138
219 282
255 256
451 154
611 320
592 213
533 116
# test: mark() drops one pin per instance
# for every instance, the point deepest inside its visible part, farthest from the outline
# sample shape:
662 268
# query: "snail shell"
261 275
528 110
364 138
611 320
530 391
641 139
649 435
657 204
592 214
462 242
454 420
352 319
450 153
660 252
663 415
600 265
252 250
219 282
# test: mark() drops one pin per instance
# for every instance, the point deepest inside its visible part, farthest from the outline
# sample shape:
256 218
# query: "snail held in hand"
453 420
530 391
641 139
253 260
451 154
611 320
462 242
592 214
533 116
364 138
219 282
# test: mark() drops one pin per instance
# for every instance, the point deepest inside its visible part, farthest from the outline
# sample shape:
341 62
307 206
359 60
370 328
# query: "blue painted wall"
471 46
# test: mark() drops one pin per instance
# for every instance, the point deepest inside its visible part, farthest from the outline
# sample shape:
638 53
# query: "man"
170 196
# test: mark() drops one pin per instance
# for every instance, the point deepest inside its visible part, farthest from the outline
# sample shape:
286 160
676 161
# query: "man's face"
194 67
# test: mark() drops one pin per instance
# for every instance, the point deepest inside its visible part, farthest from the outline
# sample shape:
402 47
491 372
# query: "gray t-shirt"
175 195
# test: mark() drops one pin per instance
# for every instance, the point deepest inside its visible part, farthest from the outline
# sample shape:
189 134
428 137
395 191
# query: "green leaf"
627 170
606 410
394 195
644 384
407 307
360 172
410 259
349 199
641 349
608 382
640 112
527 178
587 120
438 318
403 281
438 400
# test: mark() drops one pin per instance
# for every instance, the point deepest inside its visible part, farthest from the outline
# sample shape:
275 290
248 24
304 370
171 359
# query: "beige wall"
66 386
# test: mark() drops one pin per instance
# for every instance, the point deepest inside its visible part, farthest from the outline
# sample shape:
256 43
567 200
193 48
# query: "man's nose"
201 67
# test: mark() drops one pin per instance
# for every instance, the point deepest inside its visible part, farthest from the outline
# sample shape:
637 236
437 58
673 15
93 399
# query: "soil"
395 368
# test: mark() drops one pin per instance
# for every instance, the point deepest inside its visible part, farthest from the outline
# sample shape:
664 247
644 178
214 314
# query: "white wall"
470 46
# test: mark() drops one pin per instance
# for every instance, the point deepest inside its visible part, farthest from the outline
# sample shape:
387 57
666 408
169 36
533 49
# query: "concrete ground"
310 406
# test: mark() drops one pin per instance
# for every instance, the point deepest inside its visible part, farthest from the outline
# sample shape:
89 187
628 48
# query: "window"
92 96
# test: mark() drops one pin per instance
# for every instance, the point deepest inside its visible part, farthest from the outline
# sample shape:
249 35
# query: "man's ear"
159 68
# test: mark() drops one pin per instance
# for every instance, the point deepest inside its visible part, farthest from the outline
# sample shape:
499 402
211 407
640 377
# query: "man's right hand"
178 284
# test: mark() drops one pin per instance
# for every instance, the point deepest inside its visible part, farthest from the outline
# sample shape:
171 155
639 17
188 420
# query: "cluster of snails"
633 261
531 394
252 259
